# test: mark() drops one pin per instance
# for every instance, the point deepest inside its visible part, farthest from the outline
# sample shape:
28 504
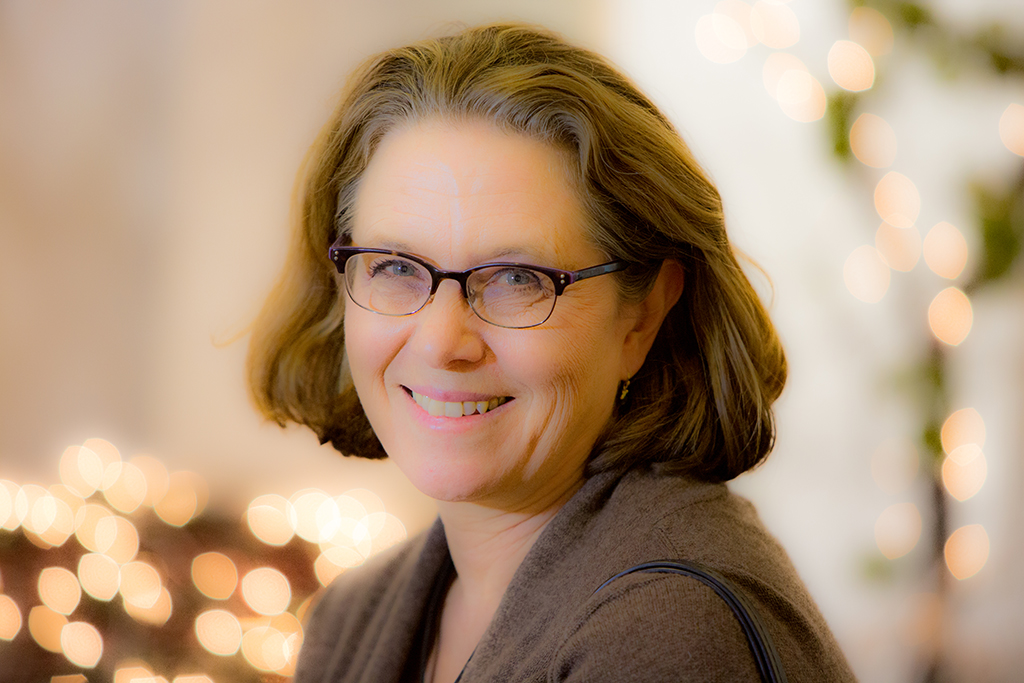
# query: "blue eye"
519 278
394 268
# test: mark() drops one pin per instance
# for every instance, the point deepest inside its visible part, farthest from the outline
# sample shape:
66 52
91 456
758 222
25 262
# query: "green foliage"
840 110
1001 221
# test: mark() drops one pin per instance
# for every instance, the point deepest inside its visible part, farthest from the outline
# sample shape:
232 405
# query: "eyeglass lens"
509 296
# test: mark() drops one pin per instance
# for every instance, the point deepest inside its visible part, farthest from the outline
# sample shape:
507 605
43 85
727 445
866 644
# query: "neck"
488 545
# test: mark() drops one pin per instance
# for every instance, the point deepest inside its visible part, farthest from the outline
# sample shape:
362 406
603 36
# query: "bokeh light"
873 141
306 503
870 28
387 530
124 487
40 509
10 618
214 575
59 589
45 626
950 316
158 480
866 274
720 38
186 497
265 648
62 525
333 561
900 247
130 672
739 12
157 615
964 426
86 521
774 24
272 519
266 591
9 517
81 470
777 64
1011 128
99 576
898 529
117 538
897 200
964 471
140 584
945 250
850 66
82 644
801 96
192 678
219 632
894 465
71 678
967 551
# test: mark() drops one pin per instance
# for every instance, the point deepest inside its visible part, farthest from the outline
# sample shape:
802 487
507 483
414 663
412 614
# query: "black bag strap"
766 657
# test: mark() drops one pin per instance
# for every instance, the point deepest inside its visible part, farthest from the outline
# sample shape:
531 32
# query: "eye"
393 267
517 277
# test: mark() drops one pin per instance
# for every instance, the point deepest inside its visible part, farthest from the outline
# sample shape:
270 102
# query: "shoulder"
655 627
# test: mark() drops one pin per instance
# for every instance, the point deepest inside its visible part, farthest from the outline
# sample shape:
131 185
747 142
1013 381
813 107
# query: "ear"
650 313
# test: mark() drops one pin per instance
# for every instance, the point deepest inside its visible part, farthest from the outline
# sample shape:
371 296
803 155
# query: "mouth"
436 408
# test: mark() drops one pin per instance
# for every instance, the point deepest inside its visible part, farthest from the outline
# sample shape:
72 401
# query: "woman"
511 277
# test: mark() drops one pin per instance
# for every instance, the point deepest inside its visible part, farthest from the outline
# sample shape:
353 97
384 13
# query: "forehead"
462 193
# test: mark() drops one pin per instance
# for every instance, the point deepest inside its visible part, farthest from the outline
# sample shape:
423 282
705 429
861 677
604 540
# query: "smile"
456 408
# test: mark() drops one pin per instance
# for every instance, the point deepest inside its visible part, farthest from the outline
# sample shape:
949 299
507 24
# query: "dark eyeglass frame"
339 254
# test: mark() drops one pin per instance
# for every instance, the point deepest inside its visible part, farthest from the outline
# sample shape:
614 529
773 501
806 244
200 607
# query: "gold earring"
625 390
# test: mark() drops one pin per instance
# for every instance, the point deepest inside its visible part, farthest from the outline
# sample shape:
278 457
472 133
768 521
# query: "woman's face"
460 195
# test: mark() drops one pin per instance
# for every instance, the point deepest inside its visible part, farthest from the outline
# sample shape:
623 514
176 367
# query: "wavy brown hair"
701 403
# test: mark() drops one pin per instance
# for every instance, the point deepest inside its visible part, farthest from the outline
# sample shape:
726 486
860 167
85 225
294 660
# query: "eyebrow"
532 257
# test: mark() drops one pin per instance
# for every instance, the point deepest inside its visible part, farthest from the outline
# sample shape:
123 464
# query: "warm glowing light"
157 478
9 517
967 551
777 64
370 501
133 673
62 526
873 141
10 618
1011 128
897 200
266 591
86 520
192 678
870 28
719 38
739 12
898 530
140 584
962 427
70 678
272 519
950 316
81 470
900 247
964 471
99 575
866 274
945 250
306 503
157 615
124 486
333 561
117 538
894 465
850 66
38 506
801 96
774 24
214 575
59 589
182 501
340 521
219 632
108 455
45 626
82 644
265 648
72 499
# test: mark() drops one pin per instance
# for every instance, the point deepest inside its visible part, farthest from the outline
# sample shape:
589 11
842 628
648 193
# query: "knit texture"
550 626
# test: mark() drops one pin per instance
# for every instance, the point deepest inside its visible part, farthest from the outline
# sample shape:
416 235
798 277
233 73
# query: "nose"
447 330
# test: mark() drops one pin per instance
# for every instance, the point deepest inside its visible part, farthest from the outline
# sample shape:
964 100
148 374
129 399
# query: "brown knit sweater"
551 627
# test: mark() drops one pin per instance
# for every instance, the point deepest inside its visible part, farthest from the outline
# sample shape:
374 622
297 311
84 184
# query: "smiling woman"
510 276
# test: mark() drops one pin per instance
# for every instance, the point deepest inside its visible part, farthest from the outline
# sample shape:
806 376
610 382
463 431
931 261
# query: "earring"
625 390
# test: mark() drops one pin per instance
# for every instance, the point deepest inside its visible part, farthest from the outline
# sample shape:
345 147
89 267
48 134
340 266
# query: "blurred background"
870 160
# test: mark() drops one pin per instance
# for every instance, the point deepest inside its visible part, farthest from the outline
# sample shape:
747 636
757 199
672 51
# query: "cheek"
368 348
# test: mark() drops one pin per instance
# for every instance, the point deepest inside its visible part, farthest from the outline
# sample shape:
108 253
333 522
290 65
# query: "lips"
438 408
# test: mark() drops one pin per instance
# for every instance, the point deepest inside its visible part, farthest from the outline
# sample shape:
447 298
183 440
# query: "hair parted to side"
701 403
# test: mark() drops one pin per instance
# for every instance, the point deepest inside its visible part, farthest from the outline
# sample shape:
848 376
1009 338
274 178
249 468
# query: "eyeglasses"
510 295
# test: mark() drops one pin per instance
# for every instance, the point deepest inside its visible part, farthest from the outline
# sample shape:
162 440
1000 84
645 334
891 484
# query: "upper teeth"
457 408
